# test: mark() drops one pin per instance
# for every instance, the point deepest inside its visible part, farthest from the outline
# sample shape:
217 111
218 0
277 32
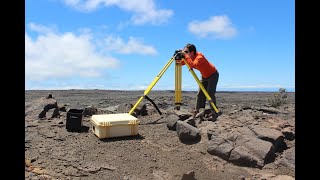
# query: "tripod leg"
177 84
153 83
202 88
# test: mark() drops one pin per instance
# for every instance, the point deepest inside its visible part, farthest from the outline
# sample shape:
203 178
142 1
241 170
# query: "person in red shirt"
209 76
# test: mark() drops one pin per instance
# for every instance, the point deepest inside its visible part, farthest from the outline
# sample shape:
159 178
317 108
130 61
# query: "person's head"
190 49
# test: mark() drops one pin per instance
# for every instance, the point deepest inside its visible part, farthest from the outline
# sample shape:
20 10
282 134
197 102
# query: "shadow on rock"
154 122
190 142
188 176
112 139
83 129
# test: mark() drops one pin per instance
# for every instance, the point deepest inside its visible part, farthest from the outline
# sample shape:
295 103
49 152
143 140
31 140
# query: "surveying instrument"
178 58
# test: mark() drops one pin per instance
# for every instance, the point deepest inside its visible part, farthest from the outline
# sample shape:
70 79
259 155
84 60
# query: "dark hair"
191 47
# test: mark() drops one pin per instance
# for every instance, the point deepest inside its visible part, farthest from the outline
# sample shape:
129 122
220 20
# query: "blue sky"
123 45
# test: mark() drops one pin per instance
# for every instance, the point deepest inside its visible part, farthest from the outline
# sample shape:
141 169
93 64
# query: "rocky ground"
250 140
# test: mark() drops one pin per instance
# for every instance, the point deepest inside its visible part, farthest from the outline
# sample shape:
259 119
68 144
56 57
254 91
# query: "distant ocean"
257 90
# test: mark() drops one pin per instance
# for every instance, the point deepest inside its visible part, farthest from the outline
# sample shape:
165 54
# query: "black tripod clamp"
178 54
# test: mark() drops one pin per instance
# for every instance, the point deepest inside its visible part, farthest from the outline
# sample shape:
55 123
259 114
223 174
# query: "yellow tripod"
177 84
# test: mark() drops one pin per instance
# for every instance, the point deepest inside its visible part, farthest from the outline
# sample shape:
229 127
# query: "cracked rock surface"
250 140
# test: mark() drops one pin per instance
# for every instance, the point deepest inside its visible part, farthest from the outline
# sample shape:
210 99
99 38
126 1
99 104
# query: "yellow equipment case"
114 125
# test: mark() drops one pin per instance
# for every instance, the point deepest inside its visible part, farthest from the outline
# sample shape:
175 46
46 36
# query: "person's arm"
195 63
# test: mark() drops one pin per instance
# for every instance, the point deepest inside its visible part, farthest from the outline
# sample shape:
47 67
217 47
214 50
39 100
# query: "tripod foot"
219 113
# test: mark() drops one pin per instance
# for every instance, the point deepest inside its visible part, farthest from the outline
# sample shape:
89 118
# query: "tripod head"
178 54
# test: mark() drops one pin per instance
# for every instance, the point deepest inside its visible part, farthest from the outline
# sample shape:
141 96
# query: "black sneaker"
213 117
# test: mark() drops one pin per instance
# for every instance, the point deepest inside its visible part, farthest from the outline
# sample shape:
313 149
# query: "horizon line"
96 89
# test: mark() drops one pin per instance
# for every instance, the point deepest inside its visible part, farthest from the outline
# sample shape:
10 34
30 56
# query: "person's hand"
183 53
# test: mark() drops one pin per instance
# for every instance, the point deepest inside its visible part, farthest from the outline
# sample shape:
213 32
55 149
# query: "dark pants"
210 84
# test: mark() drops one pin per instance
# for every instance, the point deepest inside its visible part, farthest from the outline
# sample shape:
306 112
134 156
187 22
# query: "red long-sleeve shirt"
200 63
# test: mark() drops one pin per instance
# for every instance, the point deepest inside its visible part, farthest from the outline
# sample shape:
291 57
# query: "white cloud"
53 55
40 28
122 25
144 11
219 27
133 45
